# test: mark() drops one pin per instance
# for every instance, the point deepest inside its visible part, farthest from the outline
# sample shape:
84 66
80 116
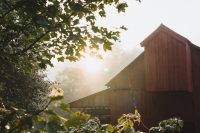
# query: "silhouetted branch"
32 44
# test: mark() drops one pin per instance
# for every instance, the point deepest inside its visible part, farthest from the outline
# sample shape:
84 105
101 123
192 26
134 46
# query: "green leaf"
41 21
39 125
53 34
52 10
50 112
123 28
107 45
76 119
26 123
122 7
76 7
108 127
93 7
42 65
90 18
95 29
61 59
102 13
76 21
65 107
80 15
56 98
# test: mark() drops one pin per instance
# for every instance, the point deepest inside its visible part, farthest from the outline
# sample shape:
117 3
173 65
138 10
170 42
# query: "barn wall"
195 54
100 99
166 64
125 87
157 106
120 103
154 106
97 105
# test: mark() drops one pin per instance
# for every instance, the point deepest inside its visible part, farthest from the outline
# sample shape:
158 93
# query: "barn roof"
163 28
140 57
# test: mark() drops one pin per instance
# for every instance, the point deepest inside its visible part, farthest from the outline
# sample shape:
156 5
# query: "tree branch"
18 4
46 106
32 44
40 37
11 9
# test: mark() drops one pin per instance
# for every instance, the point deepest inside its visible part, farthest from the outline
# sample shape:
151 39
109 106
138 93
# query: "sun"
92 64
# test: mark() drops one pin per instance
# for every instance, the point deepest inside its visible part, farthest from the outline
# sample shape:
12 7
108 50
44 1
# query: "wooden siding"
120 103
100 99
97 105
125 87
157 106
103 113
195 55
166 64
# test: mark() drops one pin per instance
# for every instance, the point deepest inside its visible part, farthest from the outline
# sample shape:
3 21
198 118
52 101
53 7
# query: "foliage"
172 125
48 121
127 122
32 32
24 90
15 120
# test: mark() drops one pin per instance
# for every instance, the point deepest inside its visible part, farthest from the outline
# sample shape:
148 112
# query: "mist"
78 83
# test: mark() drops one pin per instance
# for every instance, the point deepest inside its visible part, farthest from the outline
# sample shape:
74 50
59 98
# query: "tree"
32 32
28 91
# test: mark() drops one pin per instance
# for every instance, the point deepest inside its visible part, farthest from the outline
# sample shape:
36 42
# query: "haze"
90 75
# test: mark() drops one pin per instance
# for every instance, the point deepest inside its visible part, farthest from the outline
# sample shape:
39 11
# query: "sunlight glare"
92 64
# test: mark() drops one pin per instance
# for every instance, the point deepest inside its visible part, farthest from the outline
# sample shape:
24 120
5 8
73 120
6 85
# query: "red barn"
162 82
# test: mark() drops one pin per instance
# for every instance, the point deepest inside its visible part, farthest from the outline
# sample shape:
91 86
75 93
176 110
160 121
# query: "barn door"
120 103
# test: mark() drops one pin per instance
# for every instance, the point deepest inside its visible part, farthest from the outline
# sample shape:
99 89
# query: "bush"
16 120
172 125
28 91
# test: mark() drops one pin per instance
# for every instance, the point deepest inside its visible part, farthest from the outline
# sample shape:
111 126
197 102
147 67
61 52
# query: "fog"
77 82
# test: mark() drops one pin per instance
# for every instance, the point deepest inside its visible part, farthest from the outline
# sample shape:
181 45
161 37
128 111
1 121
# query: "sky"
141 19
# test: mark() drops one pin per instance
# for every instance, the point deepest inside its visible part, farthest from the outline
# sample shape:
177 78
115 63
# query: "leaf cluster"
32 32
24 90
126 122
48 121
172 125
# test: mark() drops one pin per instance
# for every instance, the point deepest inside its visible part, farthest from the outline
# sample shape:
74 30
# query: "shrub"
172 125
